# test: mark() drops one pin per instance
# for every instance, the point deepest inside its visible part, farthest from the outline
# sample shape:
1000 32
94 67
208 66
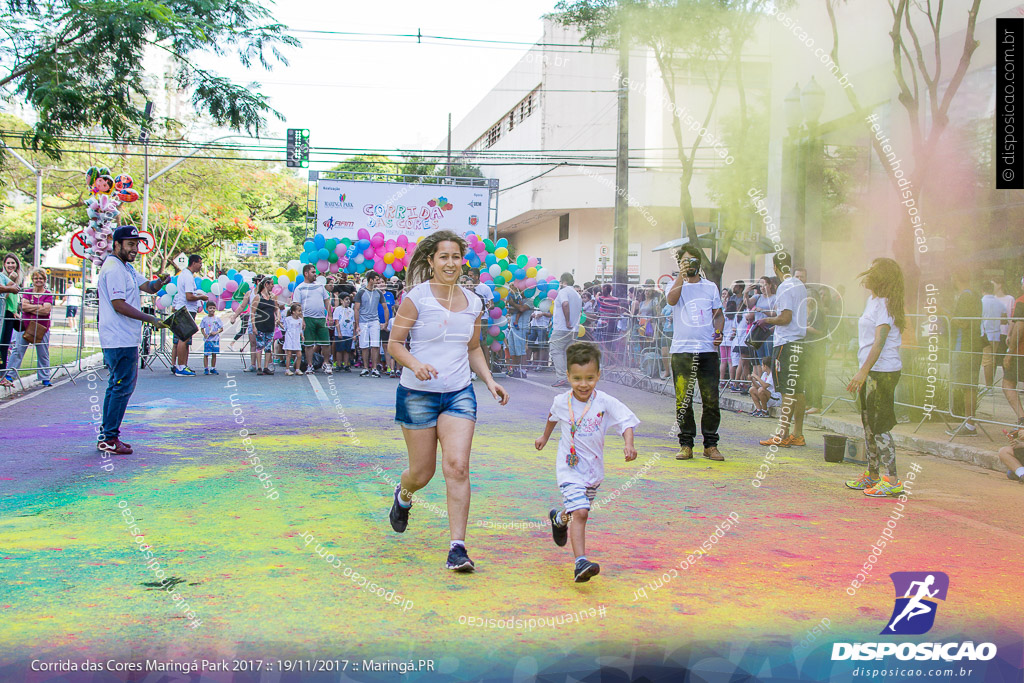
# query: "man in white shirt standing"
120 330
790 329
187 297
697 322
565 316
316 316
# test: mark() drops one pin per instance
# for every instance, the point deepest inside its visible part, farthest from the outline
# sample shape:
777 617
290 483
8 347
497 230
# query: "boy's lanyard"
572 459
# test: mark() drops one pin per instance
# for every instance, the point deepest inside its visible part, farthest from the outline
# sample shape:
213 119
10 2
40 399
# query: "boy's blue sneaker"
399 516
558 532
586 569
458 560
46 382
206 371
213 371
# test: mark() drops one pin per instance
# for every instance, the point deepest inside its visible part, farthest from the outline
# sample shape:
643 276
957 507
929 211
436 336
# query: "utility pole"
620 235
448 165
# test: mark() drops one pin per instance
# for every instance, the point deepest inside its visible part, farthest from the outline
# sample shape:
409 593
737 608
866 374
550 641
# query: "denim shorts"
416 409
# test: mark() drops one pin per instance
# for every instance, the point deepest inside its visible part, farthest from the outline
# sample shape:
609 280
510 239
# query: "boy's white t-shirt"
770 381
345 321
605 413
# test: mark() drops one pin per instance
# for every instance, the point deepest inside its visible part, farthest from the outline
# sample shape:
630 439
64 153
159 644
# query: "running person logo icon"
914 612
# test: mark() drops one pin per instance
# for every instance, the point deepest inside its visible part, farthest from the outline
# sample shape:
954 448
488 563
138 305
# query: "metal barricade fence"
70 337
983 386
924 355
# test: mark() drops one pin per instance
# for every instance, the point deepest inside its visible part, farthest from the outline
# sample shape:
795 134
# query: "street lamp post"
37 252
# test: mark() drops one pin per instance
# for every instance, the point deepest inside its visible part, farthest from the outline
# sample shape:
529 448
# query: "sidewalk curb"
31 382
978 457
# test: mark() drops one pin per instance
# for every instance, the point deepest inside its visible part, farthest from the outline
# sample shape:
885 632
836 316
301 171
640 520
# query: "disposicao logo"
913 613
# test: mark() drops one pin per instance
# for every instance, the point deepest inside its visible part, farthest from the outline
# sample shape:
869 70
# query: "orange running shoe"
795 441
776 440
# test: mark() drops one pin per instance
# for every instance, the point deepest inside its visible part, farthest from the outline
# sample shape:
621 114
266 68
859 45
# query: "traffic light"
298 147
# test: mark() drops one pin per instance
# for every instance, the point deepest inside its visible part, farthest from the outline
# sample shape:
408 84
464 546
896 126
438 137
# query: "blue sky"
369 93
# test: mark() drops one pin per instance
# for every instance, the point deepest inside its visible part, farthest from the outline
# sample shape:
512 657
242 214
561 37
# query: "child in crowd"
293 339
725 350
211 327
1012 456
344 330
762 391
585 414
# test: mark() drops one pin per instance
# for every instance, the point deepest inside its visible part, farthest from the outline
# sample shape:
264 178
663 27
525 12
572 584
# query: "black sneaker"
458 560
374 373
558 532
399 515
586 569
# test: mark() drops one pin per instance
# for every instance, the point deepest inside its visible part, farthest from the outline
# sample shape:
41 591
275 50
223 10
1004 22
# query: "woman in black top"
266 318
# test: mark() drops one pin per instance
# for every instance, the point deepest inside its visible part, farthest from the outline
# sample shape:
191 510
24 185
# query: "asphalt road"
247 561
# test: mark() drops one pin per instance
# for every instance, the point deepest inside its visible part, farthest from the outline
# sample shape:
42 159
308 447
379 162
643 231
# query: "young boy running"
585 415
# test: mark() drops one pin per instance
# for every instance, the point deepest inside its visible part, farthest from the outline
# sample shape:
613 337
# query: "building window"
493 135
519 113
563 227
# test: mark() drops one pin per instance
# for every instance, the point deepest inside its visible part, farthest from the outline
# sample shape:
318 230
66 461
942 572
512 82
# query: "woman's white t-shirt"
877 313
440 338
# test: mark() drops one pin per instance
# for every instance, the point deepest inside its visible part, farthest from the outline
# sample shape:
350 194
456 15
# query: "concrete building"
557 107
834 207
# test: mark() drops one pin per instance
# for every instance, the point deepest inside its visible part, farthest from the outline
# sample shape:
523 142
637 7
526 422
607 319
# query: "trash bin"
835 447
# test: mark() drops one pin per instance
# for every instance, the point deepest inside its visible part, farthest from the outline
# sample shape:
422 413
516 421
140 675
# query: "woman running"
435 402
880 335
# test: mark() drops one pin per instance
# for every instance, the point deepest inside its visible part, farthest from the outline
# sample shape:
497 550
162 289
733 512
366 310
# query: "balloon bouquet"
102 209
229 287
497 272
366 252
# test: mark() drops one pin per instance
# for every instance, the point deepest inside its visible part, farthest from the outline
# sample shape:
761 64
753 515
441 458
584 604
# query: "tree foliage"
194 207
700 40
80 64
923 90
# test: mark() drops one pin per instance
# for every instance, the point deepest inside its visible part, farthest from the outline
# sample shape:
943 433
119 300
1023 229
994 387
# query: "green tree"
926 94
18 229
700 40
79 64
729 185
205 202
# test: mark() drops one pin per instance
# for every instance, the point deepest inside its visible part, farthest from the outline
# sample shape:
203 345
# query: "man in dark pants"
790 321
697 322
120 323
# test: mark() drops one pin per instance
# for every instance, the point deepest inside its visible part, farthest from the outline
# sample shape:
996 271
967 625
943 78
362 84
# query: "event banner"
343 207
